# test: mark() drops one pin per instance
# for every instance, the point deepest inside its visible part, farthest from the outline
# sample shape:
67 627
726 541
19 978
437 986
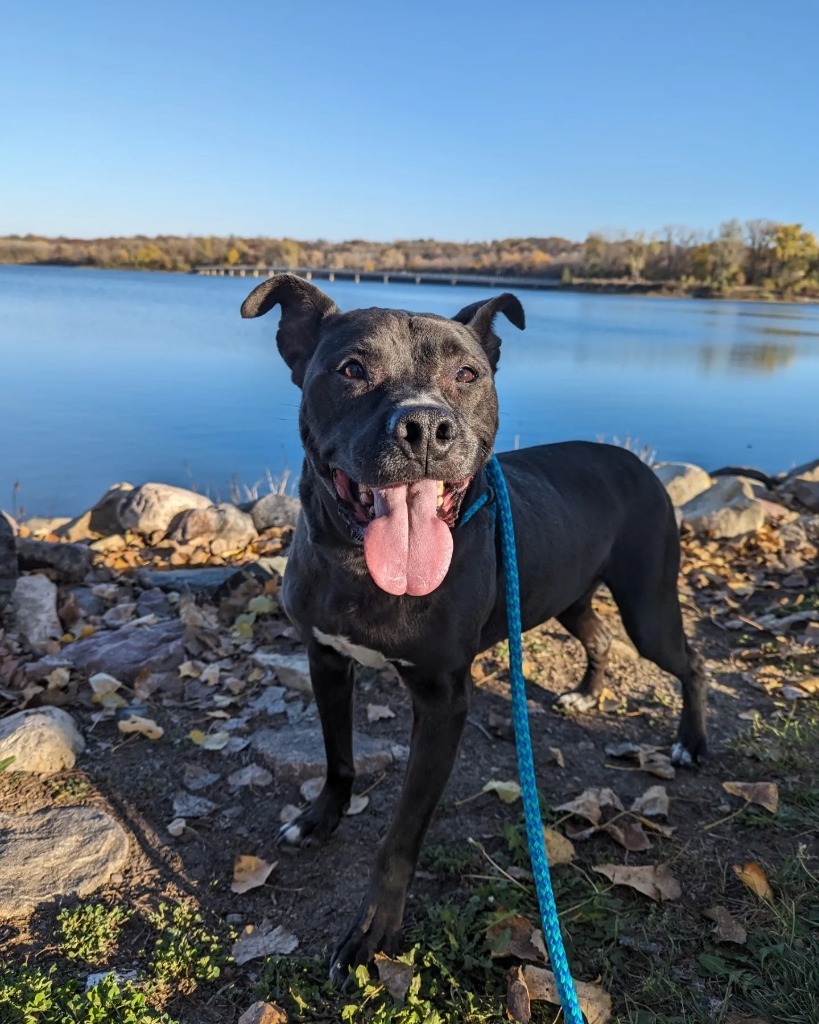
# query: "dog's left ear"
303 308
480 317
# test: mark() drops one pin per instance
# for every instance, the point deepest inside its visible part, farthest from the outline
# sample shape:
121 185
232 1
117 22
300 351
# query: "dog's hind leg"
332 675
582 622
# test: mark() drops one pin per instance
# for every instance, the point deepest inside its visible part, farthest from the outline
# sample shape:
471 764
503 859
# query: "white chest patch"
363 655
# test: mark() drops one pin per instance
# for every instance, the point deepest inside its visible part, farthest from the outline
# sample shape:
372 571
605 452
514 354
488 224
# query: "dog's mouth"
405 528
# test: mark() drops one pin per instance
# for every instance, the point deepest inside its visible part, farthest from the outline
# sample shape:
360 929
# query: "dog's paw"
681 755
377 929
575 701
317 822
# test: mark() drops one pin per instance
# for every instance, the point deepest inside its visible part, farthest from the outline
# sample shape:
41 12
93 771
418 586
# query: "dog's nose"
427 431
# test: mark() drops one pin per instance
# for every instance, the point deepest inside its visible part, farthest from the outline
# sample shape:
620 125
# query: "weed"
90 931
185 953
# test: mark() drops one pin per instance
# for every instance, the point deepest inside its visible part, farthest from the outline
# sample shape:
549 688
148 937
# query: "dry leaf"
394 975
591 803
559 849
766 794
58 678
210 740
311 788
190 669
557 756
250 775
144 726
595 1002
262 605
656 763
629 835
186 805
654 802
357 805
210 675
516 936
518 1005
250 872
752 875
727 928
655 881
265 940
263 1013
509 792
376 712
102 683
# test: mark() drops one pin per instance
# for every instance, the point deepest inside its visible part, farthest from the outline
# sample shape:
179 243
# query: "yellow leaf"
752 875
766 794
509 792
144 726
210 740
250 872
559 849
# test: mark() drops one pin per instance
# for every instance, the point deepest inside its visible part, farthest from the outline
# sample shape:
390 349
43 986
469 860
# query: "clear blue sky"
458 120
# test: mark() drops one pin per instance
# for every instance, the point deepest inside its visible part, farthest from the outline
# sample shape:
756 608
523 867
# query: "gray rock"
41 526
728 509
153 602
41 740
69 561
87 601
275 510
101 520
64 851
682 480
123 653
120 614
803 485
193 581
297 753
221 527
292 670
35 606
8 561
186 805
151 508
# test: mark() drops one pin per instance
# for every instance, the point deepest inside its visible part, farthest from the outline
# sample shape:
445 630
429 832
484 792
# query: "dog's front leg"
332 676
440 709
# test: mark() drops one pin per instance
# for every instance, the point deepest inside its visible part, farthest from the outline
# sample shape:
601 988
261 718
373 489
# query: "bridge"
383 276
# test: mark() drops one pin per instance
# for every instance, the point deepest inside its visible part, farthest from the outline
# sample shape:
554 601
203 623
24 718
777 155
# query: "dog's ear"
303 308
479 317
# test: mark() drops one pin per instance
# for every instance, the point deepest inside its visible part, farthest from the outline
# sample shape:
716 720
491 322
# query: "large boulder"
101 520
151 508
728 509
803 485
277 510
297 753
220 527
35 608
69 561
41 740
683 481
8 561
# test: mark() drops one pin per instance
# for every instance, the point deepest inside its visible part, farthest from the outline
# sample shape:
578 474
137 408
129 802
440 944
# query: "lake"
121 375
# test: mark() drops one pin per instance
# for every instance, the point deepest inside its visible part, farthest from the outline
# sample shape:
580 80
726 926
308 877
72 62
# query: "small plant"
185 953
90 931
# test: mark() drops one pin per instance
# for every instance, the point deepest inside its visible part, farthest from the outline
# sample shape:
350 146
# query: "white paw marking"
575 701
680 754
363 655
292 834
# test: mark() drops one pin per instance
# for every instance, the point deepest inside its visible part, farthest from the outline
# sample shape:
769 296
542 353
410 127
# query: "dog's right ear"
480 318
303 308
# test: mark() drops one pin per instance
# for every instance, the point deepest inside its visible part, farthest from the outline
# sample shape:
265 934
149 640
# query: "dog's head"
398 413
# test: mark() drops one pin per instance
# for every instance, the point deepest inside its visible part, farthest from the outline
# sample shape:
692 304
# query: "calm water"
108 376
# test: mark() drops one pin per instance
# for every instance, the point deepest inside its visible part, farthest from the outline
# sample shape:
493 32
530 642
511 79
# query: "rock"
153 602
263 1013
69 561
123 653
193 581
275 510
41 740
292 670
119 614
64 851
803 485
221 527
41 526
109 545
8 561
152 507
682 480
35 606
87 601
101 519
728 509
297 753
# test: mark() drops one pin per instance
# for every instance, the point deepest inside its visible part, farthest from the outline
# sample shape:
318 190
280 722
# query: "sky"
455 119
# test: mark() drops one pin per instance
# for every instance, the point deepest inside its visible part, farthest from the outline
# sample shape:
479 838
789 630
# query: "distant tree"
761 236
728 252
796 254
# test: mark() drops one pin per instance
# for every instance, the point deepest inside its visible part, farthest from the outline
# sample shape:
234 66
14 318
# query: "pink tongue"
407 547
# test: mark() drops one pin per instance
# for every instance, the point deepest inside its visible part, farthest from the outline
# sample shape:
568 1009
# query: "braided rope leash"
526 764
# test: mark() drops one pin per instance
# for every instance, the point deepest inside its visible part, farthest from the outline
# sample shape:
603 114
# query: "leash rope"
523 743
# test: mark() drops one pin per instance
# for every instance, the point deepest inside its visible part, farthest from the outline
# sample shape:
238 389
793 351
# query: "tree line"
761 255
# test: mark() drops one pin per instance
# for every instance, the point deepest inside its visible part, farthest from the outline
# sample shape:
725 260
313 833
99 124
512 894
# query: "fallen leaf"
263 1013
515 936
394 975
656 763
357 805
210 675
102 683
177 826
310 789
250 775
655 881
629 835
262 605
591 803
250 872
58 678
209 740
766 794
254 943
186 805
653 803
727 928
509 792
144 726
557 756
752 875
289 813
190 670
376 712
518 1005
559 849
595 1002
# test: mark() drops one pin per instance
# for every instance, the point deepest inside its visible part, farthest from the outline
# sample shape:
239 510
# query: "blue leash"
523 742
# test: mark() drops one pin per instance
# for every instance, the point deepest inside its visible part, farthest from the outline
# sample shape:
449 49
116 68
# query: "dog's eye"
354 370
466 375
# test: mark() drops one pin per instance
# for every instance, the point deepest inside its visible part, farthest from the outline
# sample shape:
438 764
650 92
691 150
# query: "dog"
398 418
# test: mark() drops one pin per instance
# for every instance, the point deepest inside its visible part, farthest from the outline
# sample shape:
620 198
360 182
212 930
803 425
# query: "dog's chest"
363 655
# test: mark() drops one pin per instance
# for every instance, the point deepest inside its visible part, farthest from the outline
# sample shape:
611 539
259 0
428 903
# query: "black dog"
398 419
